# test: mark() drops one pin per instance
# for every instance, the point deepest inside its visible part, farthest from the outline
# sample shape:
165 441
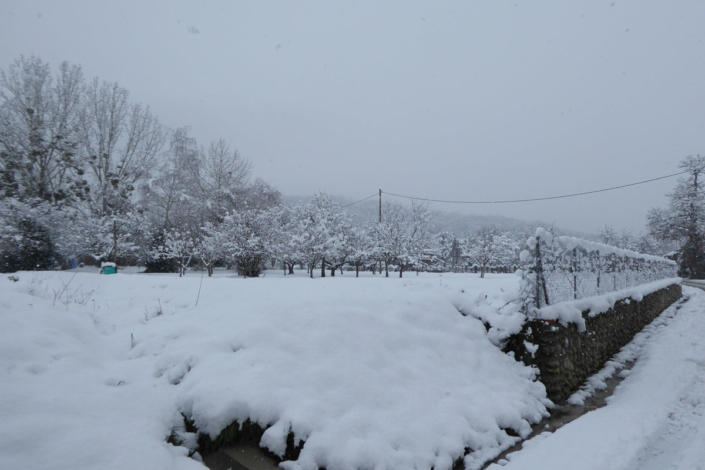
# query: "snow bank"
370 372
496 304
571 311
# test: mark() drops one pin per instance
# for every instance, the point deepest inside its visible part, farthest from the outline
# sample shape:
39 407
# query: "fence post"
599 271
575 273
540 281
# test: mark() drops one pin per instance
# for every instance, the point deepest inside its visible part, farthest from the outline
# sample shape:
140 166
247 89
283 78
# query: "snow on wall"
570 341
559 269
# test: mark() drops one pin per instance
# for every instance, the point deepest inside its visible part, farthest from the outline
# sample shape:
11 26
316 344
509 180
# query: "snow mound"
370 372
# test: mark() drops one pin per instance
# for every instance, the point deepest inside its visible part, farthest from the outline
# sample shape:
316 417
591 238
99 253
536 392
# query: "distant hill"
368 211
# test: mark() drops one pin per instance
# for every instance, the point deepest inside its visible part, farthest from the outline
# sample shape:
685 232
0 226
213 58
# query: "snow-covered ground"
370 372
656 418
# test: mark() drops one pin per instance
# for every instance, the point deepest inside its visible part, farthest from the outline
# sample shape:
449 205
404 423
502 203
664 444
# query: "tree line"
85 173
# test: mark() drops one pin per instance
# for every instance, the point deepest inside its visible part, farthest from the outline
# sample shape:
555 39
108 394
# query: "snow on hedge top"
373 372
568 243
560 269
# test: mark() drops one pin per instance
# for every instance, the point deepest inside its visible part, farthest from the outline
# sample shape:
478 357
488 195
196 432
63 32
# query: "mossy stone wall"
566 358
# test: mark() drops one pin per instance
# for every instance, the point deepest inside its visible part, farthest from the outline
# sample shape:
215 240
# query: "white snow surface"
370 372
654 420
571 311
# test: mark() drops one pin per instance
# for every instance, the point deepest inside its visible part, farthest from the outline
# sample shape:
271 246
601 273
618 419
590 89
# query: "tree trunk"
310 271
386 268
482 272
291 268
401 269
357 269
323 267
332 271
341 270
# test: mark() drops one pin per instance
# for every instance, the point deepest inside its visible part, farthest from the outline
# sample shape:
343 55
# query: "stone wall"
566 358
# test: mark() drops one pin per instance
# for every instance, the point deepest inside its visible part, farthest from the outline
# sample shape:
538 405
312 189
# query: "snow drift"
369 372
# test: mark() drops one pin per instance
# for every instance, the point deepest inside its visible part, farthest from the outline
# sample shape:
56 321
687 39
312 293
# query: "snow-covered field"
370 372
656 418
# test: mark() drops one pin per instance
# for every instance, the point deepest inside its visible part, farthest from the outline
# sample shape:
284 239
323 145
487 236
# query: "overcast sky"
470 100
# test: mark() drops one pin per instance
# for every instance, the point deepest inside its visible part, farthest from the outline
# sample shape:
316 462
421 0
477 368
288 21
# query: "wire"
537 198
369 197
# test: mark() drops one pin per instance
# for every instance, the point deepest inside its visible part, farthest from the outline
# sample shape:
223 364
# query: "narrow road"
680 441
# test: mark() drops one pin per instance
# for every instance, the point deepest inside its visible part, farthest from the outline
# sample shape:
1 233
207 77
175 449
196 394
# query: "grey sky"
449 100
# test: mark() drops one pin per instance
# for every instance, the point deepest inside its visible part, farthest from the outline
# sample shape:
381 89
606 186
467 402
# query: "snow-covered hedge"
559 269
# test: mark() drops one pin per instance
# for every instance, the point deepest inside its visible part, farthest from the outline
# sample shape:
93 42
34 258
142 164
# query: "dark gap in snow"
243 440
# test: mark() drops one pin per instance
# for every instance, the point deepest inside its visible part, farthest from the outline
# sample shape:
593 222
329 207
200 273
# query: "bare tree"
40 121
120 141
223 175
169 197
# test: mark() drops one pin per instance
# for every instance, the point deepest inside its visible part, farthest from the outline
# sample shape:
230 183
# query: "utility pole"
380 206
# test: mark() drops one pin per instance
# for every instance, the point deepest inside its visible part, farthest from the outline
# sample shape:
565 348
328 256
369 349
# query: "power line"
533 199
365 199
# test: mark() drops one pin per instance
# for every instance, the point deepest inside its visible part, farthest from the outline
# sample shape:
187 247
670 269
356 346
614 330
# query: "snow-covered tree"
248 240
316 231
487 247
361 245
402 234
683 222
283 225
344 250
210 246
449 251
180 246
418 235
